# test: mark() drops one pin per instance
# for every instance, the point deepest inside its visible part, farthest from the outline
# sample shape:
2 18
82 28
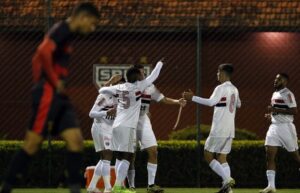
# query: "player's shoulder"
59 31
286 91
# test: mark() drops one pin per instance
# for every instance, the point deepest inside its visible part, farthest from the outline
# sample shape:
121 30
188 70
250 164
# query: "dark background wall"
257 57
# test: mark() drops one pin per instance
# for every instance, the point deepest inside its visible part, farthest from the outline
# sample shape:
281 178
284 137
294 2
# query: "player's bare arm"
170 101
111 113
113 80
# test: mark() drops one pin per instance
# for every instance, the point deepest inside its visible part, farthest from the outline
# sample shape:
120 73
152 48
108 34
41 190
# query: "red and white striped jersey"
283 99
149 94
129 98
225 100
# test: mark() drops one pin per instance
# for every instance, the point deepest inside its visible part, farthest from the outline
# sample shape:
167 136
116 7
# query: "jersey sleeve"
111 90
239 103
96 111
290 100
156 95
142 85
45 53
212 100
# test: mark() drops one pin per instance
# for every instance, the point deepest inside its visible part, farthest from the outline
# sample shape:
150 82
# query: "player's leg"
149 143
43 109
209 155
105 169
271 152
131 173
74 142
222 158
124 142
21 159
96 176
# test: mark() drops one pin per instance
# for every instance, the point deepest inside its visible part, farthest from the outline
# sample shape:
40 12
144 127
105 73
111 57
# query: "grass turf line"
167 190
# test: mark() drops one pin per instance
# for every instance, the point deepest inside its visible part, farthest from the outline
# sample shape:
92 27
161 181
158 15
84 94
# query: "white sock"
96 176
226 168
271 178
105 168
152 168
218 169
117 165
131 178
122 172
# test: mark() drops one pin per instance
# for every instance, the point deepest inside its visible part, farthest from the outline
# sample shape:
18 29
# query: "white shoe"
107 191
227 185
268 190
93 190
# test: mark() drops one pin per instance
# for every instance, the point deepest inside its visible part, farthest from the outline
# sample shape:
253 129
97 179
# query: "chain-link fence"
259 37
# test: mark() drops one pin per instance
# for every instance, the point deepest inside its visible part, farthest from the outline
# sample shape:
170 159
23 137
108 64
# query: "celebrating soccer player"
282 131
145 134
126 121
103 112
225 100
52 110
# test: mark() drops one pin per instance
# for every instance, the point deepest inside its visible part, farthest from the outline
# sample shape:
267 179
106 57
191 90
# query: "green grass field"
168 190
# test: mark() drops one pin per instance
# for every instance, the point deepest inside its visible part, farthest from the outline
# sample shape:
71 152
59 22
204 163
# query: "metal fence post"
198 93
50 125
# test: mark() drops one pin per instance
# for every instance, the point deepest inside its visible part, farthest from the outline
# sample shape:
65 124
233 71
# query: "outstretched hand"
188 95
182 102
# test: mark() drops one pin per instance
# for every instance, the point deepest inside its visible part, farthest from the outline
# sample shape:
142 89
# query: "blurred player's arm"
113 80
239 103
111 90
152 77
97 110
44 55
159 97
170 101
289 111
211 101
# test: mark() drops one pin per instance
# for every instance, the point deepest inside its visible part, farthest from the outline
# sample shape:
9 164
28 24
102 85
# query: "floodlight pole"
198 93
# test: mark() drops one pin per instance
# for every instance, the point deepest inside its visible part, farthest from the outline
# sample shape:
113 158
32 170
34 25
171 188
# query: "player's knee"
152 153
107 155
75 144
31 148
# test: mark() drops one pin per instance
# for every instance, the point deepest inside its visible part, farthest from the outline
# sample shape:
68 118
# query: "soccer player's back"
225 100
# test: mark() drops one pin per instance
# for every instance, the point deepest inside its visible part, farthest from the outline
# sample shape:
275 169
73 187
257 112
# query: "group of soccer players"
121 117
121 120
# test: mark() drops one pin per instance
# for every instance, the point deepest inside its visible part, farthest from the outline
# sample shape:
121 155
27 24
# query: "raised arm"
152 77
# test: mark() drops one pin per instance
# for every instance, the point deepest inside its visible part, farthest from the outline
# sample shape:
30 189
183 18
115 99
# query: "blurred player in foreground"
103 113
126 121
145 134
225 100
53 113
282 131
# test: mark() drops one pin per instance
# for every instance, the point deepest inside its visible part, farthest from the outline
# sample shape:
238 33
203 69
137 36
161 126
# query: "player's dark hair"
285 76
88 8
227 68
133 74
138 66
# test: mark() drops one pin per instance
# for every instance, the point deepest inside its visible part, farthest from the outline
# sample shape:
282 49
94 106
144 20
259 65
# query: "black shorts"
52 113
